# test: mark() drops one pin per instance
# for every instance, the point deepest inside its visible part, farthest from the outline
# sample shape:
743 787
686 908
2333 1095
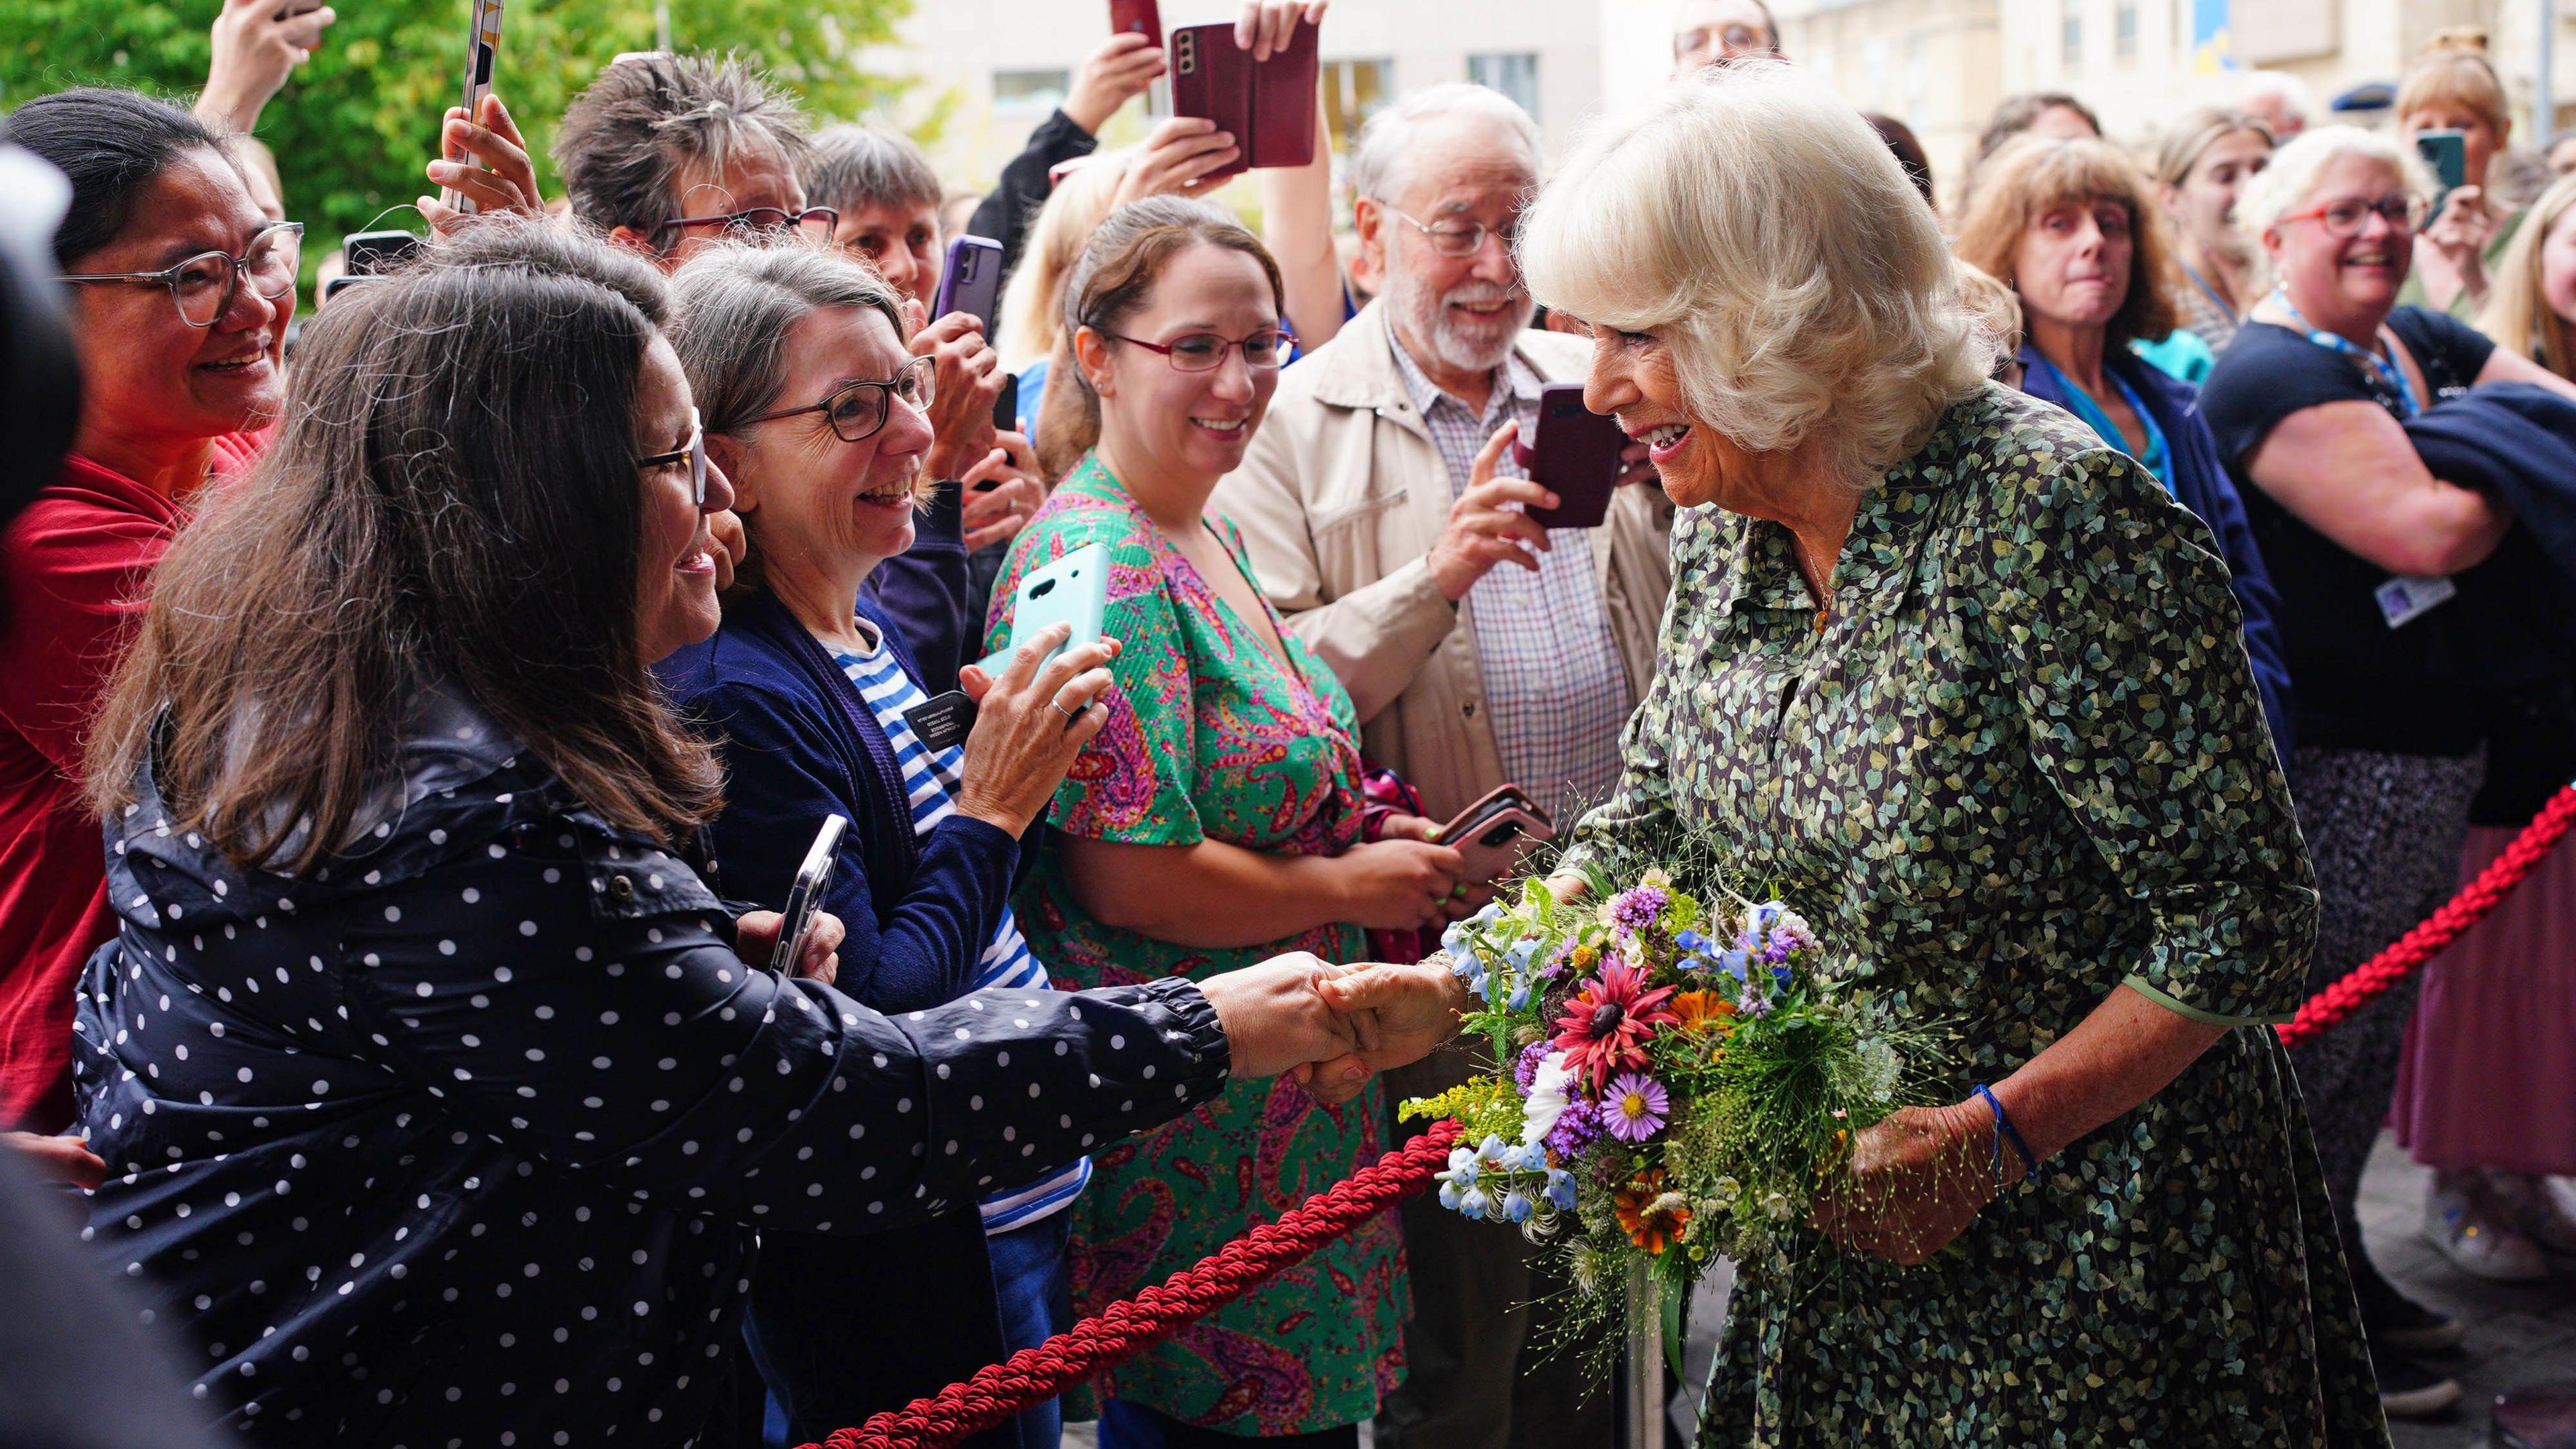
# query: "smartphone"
1573 452
1006 409
971 282
1073 590
482 44
1140 17
2447 152
1268 107
341 283
374 253
813 880
1491 834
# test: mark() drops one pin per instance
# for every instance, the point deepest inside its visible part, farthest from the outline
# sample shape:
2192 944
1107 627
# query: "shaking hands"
1330 1028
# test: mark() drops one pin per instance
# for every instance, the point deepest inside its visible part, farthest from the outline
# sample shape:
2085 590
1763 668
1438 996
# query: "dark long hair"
452 499
111 143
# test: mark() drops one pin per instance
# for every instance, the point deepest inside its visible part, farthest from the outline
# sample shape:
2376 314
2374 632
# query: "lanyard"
2389 371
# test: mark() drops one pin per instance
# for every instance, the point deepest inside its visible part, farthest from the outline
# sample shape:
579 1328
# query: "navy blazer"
2201 484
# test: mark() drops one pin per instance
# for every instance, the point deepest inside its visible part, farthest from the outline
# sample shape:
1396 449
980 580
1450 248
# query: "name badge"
942 722
2403 600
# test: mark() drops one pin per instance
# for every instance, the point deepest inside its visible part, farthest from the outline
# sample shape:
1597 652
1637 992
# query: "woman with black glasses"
183 291
2385 590
816 411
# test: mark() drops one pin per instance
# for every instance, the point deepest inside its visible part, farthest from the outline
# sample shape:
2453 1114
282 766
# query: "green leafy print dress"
1209 738
2018 762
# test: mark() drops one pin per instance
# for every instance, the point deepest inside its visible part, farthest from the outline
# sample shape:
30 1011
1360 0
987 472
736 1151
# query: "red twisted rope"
1111 1337
2365 982
1034 1375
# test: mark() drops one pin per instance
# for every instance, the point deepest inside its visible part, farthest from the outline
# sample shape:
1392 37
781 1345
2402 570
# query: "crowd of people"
2113 605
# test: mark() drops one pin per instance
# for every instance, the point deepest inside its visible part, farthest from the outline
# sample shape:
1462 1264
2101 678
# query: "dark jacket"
1005 214
472 1133
2201 484
799 744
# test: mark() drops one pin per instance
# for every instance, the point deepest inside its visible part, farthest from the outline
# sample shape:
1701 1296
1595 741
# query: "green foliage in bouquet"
1672 1085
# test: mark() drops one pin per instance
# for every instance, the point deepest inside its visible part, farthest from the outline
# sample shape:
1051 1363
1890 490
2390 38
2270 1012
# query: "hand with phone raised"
1030 724
1108 78
498 175
257 45
1481 532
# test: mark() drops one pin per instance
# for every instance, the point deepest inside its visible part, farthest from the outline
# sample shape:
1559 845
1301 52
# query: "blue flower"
1689 940
1454 940
1780 974
1465 1174
1491 1147
1474 1202
1449 1196
1560 1189
1517 1207
1732 963
1522 951
1519 1000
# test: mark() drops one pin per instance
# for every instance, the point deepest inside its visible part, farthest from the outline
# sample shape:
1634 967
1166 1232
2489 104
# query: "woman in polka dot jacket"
438 1106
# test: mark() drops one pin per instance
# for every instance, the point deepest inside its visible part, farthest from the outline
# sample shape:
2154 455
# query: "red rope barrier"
1034 1375
1111 1337
2366 982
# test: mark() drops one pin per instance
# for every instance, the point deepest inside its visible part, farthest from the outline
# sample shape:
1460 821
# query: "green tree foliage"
356 124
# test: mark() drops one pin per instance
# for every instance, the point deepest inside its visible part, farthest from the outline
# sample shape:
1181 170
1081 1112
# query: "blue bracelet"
2005 1132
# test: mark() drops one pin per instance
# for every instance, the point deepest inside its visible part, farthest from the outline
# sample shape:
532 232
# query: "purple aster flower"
1752 1003
1634 1107
1575 1128
1637 908
1525 1070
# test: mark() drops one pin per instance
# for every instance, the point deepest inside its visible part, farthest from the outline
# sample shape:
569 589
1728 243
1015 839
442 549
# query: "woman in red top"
184 291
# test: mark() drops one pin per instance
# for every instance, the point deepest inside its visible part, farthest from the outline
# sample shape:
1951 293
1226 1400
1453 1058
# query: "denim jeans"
1030 1289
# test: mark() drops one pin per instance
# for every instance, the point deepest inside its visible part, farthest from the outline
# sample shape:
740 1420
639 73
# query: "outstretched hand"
1398 1013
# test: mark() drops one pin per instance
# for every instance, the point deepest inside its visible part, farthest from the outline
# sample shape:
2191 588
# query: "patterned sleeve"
1132 782
1638 817
2112 618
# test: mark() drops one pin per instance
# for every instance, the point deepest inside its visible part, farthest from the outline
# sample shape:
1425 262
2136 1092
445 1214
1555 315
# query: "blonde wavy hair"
1031 325
2517 312
1753 221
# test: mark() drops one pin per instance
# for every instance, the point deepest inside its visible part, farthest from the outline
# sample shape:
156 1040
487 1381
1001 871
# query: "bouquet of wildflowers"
1674 1085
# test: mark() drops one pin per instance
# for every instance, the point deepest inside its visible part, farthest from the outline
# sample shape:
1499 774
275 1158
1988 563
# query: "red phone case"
1574 453
1143 17
1269 108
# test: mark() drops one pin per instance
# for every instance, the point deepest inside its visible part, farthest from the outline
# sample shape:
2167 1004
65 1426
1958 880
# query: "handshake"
1330 1028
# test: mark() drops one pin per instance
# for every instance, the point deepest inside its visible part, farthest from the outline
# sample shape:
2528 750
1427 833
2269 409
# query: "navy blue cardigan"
843 1328
2201 484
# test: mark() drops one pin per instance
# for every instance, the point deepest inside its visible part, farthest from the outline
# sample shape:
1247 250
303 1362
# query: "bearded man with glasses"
181 294
1383 513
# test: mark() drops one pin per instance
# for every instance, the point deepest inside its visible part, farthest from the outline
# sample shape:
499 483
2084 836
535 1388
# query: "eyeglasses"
693 453
1206 352
857 409
204 285
1462 239
2346 218
1729 40
814 221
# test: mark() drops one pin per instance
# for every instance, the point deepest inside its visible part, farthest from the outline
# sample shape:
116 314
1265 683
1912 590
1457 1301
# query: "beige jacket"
1339 500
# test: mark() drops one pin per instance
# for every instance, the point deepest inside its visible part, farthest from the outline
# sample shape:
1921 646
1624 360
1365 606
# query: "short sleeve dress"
2016 764
1209 739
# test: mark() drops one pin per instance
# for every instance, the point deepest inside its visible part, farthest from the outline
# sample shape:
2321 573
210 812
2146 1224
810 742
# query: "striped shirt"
930 783
1556 688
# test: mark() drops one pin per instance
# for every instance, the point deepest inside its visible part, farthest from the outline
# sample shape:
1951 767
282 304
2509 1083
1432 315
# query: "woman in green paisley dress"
1216 818
1970 690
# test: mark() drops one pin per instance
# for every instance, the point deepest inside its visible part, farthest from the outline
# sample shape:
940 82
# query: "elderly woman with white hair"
1969 687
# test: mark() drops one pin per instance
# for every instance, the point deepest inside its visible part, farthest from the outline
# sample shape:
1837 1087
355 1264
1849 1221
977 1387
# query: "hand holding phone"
1573 452
482 49
805 896
1492 834
1266 104
971 282
1073 590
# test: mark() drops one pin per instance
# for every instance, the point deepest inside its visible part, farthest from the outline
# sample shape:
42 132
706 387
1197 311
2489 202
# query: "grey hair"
852 168
1845 331
733 305
649 119
1381 161
2272 192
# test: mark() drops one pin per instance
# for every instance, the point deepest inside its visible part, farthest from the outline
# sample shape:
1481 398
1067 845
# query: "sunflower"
1704 1011
1607 1024
1654 1219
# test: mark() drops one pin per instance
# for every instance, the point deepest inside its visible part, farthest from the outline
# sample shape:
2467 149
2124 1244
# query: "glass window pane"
1033 91
1514 75
1354 90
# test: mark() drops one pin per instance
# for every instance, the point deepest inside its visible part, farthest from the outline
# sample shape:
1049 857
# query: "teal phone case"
1073 590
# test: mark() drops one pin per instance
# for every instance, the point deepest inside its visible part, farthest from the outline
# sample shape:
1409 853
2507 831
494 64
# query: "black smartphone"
2447 152
972 281
813 880
374 253
1006 408
482 47
1572 452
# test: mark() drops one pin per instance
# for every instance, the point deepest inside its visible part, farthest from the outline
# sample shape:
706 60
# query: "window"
1032 92
2070 33
1514 75
2124 30
1353 92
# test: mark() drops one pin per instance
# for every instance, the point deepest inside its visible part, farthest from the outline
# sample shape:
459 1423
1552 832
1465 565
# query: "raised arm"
2347 470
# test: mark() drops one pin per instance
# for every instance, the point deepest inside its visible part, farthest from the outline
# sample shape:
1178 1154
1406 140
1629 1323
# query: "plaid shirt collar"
1520 382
